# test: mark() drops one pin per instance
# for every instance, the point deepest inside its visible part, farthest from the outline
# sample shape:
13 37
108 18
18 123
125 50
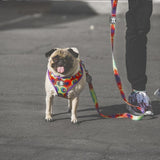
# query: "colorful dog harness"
63 85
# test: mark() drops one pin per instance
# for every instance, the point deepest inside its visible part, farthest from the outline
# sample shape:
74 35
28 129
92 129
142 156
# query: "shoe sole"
147 113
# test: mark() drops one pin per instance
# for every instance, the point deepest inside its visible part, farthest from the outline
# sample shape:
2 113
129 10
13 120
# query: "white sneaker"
141 99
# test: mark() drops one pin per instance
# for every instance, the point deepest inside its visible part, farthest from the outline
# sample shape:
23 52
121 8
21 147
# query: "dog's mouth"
62 65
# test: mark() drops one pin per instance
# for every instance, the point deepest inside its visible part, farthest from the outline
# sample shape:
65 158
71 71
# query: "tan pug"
65 77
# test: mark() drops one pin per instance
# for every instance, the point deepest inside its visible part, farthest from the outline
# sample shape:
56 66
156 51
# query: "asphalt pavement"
28 30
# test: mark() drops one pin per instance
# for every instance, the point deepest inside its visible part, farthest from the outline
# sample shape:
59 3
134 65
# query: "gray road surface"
27 31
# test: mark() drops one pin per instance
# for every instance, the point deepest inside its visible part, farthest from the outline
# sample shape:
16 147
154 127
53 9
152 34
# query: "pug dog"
66 78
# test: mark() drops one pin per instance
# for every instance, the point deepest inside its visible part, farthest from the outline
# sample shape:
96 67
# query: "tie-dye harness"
63 85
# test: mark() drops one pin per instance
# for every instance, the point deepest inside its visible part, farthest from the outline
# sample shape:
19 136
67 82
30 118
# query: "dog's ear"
74 52
48 54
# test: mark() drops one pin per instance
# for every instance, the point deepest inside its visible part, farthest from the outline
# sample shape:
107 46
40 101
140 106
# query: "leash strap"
95 100
115 70
116 74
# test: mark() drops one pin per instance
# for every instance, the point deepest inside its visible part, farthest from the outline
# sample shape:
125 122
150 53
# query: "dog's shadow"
106 110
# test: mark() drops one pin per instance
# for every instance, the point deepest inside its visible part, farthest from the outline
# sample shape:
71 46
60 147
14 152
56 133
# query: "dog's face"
63 61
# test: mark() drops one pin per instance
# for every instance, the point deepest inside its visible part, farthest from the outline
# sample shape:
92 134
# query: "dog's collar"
63 85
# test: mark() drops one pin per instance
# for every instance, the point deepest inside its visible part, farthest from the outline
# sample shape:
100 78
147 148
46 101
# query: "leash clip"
112 20
88 76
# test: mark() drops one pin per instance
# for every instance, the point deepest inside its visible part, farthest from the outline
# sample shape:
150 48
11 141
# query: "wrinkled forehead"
61 53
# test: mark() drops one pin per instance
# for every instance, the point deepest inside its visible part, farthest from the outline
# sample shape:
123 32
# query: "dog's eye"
56 58
53 65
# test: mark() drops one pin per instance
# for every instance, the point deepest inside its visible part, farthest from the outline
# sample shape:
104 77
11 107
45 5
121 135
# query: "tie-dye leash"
116 74
95 100
115 70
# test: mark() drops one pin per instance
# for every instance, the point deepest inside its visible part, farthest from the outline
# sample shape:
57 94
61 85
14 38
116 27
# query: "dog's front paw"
74 119
49 118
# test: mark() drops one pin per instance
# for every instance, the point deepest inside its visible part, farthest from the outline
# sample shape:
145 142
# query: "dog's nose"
61 62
